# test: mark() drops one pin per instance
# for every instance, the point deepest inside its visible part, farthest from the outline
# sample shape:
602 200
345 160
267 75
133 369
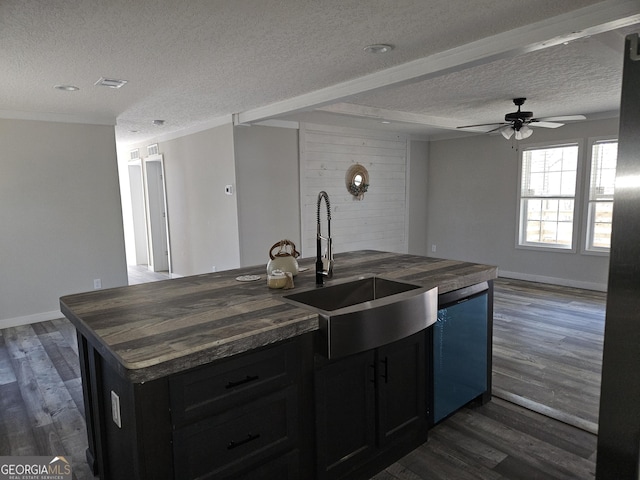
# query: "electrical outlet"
97 284
115 409
213 269
433 248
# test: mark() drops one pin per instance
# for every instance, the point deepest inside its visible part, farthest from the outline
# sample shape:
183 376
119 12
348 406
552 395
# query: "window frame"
586 247
521 243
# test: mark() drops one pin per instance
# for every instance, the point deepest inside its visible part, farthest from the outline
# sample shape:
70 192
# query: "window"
547 196
604 155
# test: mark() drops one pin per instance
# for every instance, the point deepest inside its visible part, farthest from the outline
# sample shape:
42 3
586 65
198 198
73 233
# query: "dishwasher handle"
462 294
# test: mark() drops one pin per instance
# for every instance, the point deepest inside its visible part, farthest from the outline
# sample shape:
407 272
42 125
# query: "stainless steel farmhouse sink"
366 313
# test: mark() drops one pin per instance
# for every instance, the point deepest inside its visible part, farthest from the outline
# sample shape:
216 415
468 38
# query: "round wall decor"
357 180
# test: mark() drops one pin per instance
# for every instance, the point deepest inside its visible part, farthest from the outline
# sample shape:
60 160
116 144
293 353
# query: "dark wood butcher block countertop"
156 329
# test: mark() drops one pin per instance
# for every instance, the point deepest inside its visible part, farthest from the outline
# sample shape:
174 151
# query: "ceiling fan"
520 122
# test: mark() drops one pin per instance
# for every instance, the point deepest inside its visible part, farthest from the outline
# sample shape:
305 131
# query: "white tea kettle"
284 258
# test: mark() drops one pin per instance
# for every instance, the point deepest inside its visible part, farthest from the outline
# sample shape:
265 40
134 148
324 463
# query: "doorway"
138 212
157 220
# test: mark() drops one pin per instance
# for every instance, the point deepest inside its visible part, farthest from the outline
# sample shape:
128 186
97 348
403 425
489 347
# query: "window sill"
546 248
596 253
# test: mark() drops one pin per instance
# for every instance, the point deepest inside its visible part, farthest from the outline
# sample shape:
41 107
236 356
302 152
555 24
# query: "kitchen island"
170 367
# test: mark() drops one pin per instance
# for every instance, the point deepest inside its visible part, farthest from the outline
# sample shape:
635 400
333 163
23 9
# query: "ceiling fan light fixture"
524 132
507 131
517 122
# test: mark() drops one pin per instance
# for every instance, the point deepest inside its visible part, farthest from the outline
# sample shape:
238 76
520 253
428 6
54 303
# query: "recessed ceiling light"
378 48
110 82
158 122
67 88
386 122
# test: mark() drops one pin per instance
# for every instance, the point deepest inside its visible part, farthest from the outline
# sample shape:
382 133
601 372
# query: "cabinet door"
401 370
345 414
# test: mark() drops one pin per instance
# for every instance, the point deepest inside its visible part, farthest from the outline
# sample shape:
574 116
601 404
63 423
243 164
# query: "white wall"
472 206
376 222
60 216
459 195
274 175
203 220
417 173
267 174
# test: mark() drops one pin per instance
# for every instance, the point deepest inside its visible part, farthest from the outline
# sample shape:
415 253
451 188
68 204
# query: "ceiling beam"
353 110
592 20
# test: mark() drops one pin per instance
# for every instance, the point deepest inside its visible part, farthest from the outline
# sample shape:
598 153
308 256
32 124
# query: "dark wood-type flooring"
547 349
547 353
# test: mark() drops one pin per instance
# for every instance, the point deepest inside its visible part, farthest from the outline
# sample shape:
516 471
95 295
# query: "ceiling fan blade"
498 128
538 123
563 118
483 125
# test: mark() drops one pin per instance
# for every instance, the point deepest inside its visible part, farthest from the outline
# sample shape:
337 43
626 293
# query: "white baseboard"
599 287
28 319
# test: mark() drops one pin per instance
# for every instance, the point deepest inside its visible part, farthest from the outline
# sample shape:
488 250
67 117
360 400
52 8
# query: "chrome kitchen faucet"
327 258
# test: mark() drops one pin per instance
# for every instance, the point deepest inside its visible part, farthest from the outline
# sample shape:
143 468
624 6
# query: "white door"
157 220
138 213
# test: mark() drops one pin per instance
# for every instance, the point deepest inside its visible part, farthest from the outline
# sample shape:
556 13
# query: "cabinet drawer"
229 442
209 390
284 467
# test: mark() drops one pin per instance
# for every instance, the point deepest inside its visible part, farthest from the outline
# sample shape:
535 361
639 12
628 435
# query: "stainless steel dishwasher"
462 349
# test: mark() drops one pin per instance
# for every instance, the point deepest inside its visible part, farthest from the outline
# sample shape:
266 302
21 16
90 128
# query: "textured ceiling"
583 77
200 61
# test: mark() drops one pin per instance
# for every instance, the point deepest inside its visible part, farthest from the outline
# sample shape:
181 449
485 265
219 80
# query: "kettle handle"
282 244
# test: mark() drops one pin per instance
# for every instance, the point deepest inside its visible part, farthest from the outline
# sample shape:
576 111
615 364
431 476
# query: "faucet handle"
327 260
329 269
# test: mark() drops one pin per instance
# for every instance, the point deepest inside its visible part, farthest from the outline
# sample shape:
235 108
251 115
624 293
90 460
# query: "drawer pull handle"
250 438
247 379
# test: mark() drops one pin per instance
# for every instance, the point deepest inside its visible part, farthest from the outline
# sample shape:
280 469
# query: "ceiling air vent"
153 149
110 82
134 154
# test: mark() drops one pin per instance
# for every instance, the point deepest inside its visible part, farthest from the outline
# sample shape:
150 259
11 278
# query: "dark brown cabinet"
370 408
275 412
345 414
402 404
237 416
249 416
240 439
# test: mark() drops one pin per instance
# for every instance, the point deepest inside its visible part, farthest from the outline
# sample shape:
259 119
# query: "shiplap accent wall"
379 221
